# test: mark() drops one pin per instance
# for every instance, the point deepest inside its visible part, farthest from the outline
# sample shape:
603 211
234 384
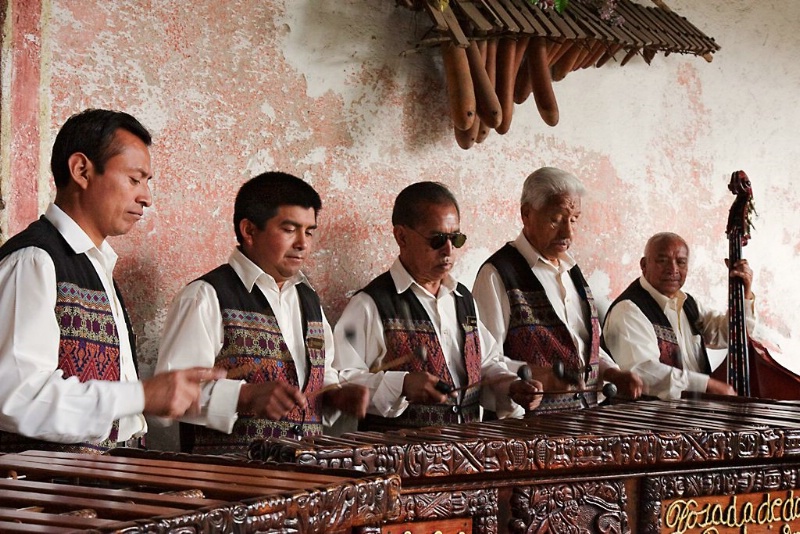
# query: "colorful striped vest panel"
537 335
254 343
668 348
89 343
408 330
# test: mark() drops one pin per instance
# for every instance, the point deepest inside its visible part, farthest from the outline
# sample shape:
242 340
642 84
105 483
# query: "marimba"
700 466
133 492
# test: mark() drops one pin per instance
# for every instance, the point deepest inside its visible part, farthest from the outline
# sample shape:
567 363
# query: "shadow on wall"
363 43
137 276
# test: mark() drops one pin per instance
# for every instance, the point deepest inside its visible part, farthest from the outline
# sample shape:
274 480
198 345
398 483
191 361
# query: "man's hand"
719 387
742 271
271 400
526 394
548 381
420 388
629 384
350 398
177 393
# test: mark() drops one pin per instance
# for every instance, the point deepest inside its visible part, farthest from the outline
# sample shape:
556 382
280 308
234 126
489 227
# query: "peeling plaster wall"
320 89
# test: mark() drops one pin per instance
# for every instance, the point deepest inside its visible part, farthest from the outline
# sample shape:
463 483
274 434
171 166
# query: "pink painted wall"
321 90
20 114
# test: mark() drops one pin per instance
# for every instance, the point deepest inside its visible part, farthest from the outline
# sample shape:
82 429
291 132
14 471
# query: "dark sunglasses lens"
438 241
458 240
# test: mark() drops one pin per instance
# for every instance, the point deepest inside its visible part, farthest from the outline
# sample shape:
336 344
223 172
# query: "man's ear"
525 211
642 263
399 232
247 228
80 168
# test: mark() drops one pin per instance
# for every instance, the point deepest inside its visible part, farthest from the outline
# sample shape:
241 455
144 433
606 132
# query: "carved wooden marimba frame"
137 492
649 466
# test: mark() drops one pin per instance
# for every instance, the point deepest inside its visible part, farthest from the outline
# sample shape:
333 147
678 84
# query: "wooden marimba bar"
164 492
628 467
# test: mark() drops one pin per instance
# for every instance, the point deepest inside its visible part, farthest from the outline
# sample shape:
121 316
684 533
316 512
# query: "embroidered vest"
408 330
537 335
89 341
668 348
253 343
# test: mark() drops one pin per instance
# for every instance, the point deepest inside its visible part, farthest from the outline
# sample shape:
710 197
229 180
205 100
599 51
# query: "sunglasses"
439 239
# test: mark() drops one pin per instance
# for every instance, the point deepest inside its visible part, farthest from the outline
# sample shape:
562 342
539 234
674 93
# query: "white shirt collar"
76 238
663 300
532 256
249 273
403 280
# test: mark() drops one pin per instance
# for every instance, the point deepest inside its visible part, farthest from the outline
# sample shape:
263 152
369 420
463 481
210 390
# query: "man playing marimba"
534 298
413 335
67 354
258 317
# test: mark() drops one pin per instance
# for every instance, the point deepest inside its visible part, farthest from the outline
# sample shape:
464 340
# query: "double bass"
749 368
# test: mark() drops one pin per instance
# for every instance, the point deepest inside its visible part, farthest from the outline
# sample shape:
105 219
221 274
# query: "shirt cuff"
221 413
698 382
606 362
130 404
511 411
388 399
130 401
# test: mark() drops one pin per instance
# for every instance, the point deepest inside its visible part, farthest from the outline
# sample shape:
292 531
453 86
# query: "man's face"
115 200
426 264
283 246
665 265
550 229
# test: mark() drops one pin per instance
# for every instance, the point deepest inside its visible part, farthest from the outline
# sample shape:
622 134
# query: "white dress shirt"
492 299
630 337
193 337
361 345
35 399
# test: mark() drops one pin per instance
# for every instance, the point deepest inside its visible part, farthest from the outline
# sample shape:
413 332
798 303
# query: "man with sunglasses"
258 317
413 335
534 299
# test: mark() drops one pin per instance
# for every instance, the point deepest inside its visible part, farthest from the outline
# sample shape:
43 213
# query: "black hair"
408 206
259 198
92 133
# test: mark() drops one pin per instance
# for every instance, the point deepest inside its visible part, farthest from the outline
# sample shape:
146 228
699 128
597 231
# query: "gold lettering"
669 513
707 515
787 510
695 517
675 514
775 504
795 511
717 515
763 511
796 504
747 513
732 516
